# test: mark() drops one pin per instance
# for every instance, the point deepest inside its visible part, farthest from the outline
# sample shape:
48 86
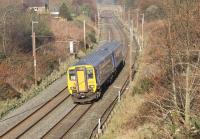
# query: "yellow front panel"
81 80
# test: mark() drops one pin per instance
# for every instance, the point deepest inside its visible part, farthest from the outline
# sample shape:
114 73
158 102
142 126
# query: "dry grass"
126 124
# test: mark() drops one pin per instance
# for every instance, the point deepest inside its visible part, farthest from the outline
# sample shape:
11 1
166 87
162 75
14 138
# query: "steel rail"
37 110
82 115
64 117
110 107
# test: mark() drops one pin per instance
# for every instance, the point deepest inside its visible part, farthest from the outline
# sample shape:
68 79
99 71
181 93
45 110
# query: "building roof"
35 3
99 55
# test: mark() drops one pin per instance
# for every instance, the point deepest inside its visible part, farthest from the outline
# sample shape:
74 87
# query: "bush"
91 37
86 10
64 12
154 12
18 29
144 86
2 56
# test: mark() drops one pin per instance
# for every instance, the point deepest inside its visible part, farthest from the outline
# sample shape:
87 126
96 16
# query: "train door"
81 79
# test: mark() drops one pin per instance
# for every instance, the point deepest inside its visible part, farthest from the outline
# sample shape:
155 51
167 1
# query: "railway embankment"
133 116
164 100
20 113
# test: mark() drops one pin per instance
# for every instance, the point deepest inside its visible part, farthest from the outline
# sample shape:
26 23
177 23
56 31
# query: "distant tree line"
78 7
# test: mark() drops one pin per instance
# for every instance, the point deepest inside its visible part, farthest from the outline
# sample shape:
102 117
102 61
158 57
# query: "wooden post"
137 20
109 36
98 24
34 57
4 34
124 12
99 126
119 96
142 31
129 17
84 35
130 53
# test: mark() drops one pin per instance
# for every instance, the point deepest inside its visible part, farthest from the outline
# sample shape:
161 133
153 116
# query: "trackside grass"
123 124
127 122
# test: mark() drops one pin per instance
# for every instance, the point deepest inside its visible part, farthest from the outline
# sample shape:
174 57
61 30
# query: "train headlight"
91 86
73 88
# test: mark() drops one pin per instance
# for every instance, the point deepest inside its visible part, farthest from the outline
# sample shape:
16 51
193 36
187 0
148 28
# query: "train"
89 76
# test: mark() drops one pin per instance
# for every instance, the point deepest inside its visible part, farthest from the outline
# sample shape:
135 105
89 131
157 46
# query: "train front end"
82 83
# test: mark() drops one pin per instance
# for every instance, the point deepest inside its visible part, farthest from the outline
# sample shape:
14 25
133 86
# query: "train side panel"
105 69
118 56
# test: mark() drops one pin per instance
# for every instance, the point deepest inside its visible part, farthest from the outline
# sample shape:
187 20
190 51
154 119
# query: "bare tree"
183 42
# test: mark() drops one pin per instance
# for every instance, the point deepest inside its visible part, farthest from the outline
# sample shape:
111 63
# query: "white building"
39 6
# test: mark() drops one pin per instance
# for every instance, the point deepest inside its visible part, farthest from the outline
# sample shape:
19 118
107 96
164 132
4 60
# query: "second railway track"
68 122
37 115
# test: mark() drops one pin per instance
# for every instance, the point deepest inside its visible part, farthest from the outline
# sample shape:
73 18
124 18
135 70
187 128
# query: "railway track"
68 122
64 125
109 109
37 115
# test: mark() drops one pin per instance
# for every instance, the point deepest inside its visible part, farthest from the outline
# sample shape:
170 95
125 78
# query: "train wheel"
111 79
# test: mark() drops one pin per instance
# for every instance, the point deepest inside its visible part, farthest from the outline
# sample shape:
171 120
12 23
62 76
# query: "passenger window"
90 73
72 75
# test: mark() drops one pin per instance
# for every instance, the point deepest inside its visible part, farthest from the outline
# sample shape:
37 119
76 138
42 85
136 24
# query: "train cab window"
90 73
72 75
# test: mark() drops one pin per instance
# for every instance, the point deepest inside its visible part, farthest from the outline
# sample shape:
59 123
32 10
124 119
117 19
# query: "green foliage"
91 37
64 12
154 12
24 29
18 29
86 10
196 126
2 56
144 86
129 3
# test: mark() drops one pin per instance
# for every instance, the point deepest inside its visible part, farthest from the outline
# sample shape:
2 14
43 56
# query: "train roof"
96 57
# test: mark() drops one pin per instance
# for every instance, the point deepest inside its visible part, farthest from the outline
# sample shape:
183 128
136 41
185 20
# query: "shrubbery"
16 24
91 37
144 86
64 12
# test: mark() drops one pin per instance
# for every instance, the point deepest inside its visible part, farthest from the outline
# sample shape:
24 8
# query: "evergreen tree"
64 12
